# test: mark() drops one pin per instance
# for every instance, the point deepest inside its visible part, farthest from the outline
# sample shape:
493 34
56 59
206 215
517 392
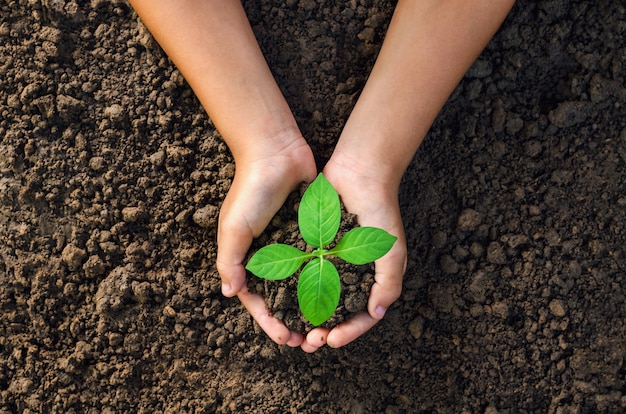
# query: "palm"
376 205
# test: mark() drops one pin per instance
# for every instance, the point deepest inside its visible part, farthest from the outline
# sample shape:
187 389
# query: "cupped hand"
260 187
375 203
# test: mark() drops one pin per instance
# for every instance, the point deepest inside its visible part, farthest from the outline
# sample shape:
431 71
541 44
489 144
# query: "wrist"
374 177
264 141
368 168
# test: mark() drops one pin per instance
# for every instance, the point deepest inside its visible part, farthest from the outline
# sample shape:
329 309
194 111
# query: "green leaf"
318 290
363 245
276 261
319 213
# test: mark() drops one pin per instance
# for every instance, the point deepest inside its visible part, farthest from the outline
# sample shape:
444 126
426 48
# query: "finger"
317 337
348 331
238 224
234 238
273 327
383 293
233 280
295 339
388 280
231 252
307 347
315 340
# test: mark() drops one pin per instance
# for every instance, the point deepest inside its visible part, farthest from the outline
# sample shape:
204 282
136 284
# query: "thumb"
388 280
233 243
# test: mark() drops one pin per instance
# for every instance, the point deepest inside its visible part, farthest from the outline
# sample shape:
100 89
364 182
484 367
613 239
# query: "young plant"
319 287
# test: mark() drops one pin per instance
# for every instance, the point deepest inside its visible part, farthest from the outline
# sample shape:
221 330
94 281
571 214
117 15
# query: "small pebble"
416 327
500 309
133 214
557 308
97 163
569 114
469 220
206 217
449 265
73 256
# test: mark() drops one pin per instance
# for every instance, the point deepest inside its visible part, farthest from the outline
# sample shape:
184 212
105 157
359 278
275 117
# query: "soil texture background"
112 175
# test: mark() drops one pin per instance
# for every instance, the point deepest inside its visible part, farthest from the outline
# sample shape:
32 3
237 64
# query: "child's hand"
259 189
375 203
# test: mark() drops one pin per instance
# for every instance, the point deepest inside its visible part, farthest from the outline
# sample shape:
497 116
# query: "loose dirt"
111 177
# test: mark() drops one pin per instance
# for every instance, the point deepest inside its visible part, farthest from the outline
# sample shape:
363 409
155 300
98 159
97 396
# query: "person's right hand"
375 203
260 187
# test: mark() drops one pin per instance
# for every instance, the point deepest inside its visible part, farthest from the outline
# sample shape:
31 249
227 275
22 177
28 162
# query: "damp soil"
112 175
281 295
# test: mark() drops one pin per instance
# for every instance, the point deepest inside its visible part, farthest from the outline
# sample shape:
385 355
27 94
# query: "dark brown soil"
281 296
111 176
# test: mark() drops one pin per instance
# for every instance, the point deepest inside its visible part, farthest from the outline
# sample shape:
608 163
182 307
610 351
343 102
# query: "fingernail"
380 311
226 288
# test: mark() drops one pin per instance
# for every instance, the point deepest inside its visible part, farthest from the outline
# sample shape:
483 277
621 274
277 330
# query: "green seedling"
319 286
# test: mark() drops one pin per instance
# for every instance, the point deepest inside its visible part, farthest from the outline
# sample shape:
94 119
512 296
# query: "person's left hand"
259 188
375 203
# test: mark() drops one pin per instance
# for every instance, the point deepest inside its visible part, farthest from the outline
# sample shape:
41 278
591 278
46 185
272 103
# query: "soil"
111 177
281 296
